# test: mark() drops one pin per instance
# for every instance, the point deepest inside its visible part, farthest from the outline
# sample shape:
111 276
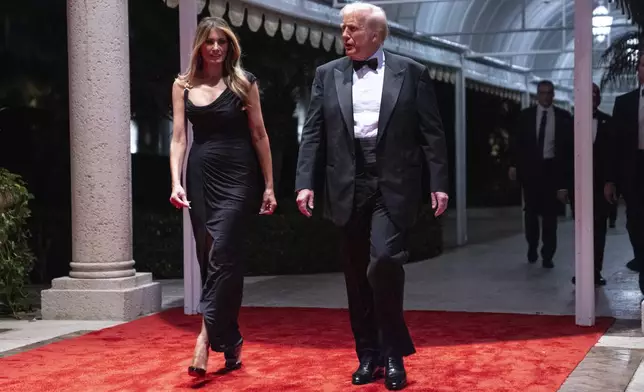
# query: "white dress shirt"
367 94
641 120
549 139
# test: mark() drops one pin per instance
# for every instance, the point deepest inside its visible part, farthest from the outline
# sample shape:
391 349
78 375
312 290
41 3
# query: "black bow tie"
371 63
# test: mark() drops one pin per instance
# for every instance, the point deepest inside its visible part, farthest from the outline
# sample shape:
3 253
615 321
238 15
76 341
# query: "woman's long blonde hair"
233 73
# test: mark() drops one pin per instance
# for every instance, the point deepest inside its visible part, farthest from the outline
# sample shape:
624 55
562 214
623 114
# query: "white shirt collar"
380 55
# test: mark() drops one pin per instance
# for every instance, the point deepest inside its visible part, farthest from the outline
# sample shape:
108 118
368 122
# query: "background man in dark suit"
373 118
626 163
601 154
537 150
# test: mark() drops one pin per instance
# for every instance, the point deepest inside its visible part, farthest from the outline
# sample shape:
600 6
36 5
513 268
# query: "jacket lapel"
532 127
393 80
559 128
343 87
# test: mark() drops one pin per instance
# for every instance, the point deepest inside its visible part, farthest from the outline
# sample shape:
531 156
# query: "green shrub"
16 259
158 241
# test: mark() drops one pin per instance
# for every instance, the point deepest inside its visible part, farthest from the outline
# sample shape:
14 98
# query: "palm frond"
633 9
620 61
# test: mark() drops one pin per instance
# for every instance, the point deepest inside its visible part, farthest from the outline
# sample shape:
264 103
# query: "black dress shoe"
599 280
368 371
395 375
641 281
633 265
233 356
533 256
547 263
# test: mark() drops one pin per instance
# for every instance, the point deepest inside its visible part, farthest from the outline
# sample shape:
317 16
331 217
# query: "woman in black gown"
229 157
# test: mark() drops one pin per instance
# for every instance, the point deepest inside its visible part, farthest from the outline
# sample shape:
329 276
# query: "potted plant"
16 259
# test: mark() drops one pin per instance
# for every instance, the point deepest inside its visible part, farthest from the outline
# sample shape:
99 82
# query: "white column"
525 95
584 267
525 103
191 273
103 283
460 129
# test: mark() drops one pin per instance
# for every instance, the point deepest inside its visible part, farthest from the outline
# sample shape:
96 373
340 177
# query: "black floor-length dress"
223 185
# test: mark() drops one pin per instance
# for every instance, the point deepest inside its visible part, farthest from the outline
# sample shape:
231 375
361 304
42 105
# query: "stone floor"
490 275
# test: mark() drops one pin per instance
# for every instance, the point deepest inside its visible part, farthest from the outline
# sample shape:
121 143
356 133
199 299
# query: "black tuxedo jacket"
524 154
601 156
410 151
624 141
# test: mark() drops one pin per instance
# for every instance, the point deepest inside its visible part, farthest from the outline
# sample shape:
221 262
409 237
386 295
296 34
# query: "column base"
101 299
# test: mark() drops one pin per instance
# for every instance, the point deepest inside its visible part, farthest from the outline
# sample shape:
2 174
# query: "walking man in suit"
601 154
627 154
537 150
374 120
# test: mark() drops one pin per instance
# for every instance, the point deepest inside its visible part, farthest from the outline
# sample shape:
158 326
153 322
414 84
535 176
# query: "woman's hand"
268 202
178 197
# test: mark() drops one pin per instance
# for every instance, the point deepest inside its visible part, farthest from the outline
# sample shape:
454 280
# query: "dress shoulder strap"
185 106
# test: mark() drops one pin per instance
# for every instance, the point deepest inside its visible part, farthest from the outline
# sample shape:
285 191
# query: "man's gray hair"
375 15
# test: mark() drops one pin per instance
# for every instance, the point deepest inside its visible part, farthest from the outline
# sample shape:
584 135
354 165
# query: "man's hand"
562 195
439 202
610 193
512 173
305 202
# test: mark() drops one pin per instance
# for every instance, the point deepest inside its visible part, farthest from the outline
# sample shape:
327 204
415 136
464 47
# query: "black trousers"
612 213
601 211
633 191
221 260
375 252
540 196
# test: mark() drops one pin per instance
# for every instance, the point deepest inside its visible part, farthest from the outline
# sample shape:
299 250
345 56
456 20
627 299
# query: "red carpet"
310 350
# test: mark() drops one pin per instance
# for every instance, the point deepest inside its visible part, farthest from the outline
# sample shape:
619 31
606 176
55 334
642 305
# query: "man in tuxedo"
374 120
627 155
537 151
601 154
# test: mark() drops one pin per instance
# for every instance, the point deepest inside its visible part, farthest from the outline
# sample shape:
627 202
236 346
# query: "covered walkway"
511 44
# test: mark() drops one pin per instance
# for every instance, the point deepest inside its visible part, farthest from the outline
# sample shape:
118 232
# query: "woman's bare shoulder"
183 84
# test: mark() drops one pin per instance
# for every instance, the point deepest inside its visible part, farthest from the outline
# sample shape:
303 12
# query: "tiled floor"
24 334
487 276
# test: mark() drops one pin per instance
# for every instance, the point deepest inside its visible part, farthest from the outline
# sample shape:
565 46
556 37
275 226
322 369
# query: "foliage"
16 259
634 10
620 61
33 43
620 58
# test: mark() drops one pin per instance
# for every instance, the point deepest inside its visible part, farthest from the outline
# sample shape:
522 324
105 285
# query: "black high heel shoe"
197 372
233 356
